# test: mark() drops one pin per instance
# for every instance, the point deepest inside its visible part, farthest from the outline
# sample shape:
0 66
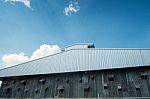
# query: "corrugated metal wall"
81 60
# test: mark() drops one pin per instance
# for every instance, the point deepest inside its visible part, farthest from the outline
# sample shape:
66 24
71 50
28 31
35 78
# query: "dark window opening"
18 89
105 86
119 88
46 88
36 91
137 88
24 82
26 90
60 89
43 81
7 90
143 76
92 77
111 77
57 79
67 81
86 89
13 81
80 80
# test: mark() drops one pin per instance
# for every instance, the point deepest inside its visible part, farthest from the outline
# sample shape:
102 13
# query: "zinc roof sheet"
83 59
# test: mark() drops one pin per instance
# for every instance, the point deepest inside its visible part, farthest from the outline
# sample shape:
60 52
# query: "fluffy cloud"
73 7
13 59
44 50
25 2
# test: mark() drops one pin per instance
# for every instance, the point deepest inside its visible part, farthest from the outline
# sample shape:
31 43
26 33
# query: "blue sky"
106 23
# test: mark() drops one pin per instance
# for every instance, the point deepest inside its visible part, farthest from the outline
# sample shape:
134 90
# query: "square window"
86 88
119 88
137 87
105 86
143 75
60 88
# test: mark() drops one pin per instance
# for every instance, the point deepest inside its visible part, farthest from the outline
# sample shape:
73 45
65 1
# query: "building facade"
80 71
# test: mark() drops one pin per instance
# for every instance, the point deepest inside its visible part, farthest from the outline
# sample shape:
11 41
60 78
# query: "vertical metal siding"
145 57
81 60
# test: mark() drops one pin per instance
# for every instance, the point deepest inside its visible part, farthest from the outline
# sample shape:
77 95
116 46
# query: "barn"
80 71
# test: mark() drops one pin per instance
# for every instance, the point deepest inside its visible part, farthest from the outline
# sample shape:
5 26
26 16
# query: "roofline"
139 66
77 49
78 44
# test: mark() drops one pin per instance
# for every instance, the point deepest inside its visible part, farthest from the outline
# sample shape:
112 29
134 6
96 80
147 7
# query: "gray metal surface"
79 46
82 59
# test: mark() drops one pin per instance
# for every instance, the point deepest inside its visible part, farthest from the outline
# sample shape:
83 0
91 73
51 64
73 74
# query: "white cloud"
13 59
44 50
73 7
25 2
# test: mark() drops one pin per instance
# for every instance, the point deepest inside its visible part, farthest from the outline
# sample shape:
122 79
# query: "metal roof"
82 59
78 46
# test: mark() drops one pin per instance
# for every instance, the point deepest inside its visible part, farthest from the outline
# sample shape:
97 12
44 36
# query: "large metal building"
80 71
